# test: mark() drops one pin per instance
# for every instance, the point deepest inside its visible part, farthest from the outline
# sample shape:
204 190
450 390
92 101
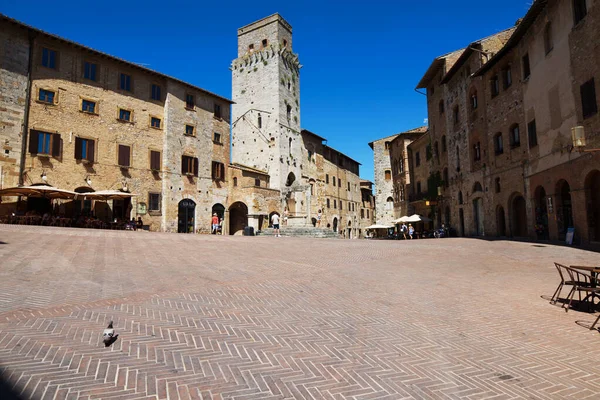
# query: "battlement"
264 22
265 33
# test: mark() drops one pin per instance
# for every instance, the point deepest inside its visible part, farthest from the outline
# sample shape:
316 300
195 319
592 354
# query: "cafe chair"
581 283
565 279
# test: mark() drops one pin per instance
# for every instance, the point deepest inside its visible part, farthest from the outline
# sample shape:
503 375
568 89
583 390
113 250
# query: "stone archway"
291 178
564 210
238 217
335 224
592 199
518 215
500 221
270 222
186 216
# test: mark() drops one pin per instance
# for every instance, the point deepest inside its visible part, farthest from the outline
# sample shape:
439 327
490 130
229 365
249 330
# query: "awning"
44 191
107 195
404 218
377 226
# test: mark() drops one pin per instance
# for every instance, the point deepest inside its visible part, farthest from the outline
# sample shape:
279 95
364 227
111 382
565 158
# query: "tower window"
526 68
265 42
251 47
579 10
259 121
284 43
289 111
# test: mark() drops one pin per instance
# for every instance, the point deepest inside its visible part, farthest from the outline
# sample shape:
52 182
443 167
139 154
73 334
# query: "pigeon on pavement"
109 336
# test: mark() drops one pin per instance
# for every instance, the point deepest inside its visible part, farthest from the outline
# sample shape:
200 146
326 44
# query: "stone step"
301 231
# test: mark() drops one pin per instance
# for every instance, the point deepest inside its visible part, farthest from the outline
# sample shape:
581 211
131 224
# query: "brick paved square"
217 317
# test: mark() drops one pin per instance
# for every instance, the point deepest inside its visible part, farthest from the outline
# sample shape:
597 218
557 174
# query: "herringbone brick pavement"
211 317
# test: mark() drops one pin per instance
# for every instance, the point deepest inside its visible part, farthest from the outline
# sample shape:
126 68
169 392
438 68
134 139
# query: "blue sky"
362 59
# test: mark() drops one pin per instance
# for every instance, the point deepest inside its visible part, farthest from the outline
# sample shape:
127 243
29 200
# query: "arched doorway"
349 230
186 216
478 216
518 216
500 221
592 197
541 213
335 224
270 223
219 209
238 217
461 221
564 211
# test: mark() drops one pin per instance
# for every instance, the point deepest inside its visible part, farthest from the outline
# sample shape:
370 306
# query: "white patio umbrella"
418 218
402 219
378 226
44 191
107 195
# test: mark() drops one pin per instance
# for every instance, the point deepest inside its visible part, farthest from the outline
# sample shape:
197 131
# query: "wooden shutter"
222 168
56 145
183 165
195 166
124 155
78 148
154 160
91 150
34 142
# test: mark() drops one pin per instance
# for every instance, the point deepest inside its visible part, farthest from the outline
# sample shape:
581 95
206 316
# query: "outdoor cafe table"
594 271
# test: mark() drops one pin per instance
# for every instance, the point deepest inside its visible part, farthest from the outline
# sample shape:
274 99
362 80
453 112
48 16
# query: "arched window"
444 144
234 181
497 185
460 197
289 112
477 187
498 146
473 100
290 144
445 177
515 136
389 204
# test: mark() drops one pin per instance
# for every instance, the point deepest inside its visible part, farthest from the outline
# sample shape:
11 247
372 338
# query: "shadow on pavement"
6 392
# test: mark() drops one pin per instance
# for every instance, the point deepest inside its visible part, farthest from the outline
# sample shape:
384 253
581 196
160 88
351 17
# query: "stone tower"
266 109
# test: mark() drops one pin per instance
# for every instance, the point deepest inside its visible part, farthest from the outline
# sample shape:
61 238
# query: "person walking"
411 230
319 215
215 224
275 222
403 230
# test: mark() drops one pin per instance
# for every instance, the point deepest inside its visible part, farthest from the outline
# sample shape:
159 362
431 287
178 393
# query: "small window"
328 204
124 156
507 77
189 101
589 106
217 138
125 82
235 181
477 151
418 187
288 111
327 178
460 197
251 47
339 182
44 143
474 101
532 134
348 185
333 179
155 160
368 214
497 185
217 110
548 42
431 90
456 115
46 96
90 71
88 106
441 106
155 92
417 159
155 122
49 58
341 205
526 68
189 166
124 115
498 146
444 144
579 10
284 43
362 213
515 136
218 171
154 201
259 121
387 145
190 130
457 159
495 86
257 182
335 204
265 42
85 149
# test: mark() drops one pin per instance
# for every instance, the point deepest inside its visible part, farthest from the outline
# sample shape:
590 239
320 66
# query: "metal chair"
581 282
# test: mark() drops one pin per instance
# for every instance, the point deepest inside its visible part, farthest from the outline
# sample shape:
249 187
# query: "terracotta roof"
436 64
421 129
339 152
247 168
536 8
70 42
313 134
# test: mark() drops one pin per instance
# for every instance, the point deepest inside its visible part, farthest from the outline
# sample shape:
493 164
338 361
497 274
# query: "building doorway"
519 217
500 221
592 197
541 213
238 217
335 224
186 216
564 210
478 216
349 230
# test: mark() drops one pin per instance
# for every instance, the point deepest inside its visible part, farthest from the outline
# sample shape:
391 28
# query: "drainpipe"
26 113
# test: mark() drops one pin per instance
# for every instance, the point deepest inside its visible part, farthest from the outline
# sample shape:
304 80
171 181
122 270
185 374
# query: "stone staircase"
302 231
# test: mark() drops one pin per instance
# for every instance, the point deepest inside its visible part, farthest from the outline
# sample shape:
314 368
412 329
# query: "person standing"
275 222
411 230
319 215
404 230
215 224
285 216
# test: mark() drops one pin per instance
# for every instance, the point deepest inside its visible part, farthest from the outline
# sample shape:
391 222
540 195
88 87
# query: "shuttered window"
218 171
45 143
154 160
189 165
85 149
153 201
124 158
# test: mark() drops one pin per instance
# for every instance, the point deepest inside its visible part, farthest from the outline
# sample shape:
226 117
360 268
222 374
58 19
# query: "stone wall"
384 188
